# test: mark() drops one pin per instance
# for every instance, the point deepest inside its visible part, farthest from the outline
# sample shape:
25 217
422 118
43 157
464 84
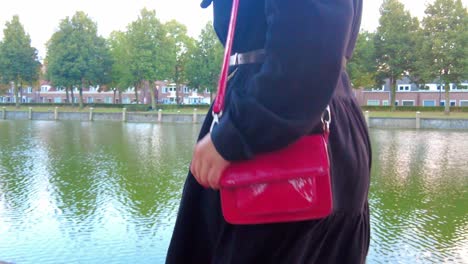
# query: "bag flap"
306 157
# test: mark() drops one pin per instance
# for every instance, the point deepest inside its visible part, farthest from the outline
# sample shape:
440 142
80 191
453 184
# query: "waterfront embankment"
417 121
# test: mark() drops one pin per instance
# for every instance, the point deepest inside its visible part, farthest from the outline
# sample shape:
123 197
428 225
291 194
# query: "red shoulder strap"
219 101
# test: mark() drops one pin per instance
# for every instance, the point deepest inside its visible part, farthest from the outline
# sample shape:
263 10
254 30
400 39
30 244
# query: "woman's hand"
207 164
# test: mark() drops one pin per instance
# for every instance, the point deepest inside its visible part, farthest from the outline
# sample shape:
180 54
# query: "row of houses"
408 94
411 94
164 92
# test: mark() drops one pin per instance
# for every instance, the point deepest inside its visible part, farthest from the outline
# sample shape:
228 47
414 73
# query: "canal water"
108 192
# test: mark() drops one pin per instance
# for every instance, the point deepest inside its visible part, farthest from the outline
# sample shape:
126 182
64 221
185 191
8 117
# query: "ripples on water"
108 192
418 197
90 192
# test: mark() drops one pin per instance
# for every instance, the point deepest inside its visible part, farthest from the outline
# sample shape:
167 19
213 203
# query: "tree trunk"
447 99
67 99
115 91
153 100
72 97
120 96
177 93
81 94
393 92
136 93
16 90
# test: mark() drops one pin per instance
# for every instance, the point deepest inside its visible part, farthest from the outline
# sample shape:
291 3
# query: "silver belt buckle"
234 59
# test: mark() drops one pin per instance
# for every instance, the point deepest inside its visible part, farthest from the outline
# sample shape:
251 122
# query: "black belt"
251 57
258 56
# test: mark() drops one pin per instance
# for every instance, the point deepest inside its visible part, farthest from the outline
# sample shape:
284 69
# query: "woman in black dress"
270 103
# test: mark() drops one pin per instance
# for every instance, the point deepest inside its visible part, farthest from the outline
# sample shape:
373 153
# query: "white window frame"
90 101
57 100
434 101
385 103
404 101
454 102
402 87
126 100
397 103
462 101
108 100
375 102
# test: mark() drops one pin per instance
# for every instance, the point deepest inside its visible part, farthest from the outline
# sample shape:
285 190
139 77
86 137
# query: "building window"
57 100
407 102
44 88
29 90
429 103
396 103
424 87
186 90
90 100
463 102
385 102
164 90
126 100
452 103
108 100
404 88
373 102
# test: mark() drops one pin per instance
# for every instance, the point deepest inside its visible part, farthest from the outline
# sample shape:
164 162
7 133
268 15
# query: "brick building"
165 93
411 94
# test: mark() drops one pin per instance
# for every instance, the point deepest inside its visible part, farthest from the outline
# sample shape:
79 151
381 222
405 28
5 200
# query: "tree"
19 64
77 56
362 66
150 58
205 61
121 78
181 45
445 44
395 41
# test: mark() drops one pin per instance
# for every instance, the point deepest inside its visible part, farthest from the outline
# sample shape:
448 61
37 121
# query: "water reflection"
90 192
418 196
108 192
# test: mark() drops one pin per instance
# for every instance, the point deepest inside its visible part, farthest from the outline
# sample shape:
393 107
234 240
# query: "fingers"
207 164
213 178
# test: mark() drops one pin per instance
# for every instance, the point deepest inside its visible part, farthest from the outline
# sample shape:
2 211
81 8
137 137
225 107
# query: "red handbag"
291 184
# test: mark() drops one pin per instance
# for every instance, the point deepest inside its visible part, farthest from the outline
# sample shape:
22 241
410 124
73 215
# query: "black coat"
270 105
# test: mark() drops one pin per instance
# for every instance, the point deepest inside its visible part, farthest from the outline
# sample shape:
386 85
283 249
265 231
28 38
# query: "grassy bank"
100 110
204 109
399 114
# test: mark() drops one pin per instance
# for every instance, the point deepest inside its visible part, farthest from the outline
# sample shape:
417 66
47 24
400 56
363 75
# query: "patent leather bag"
291 184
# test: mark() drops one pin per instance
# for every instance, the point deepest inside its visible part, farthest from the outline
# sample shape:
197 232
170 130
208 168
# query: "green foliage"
180 46
395 41
18 60
149 51
444 53
205 60
77 56
121 77
362 66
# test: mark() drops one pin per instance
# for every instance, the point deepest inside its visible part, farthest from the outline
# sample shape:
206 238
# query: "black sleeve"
305 45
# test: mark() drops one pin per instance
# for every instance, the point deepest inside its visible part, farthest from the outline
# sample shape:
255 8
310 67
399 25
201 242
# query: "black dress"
268 106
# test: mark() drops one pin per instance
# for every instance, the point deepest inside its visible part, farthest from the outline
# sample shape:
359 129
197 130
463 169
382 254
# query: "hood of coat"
206 3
